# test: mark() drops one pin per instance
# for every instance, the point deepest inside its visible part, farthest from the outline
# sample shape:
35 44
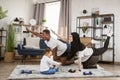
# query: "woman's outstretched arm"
59 36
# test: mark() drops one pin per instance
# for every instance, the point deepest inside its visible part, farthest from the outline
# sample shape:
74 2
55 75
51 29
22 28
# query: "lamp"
32 22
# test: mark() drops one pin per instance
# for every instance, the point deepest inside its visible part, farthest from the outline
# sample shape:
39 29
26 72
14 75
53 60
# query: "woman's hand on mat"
56 58
77 71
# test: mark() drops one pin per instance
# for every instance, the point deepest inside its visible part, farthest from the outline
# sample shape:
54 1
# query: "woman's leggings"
100 51
96 52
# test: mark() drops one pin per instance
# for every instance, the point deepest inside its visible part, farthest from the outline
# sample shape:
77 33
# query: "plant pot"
9 57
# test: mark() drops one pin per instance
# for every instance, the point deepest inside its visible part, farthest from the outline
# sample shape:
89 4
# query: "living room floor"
6 69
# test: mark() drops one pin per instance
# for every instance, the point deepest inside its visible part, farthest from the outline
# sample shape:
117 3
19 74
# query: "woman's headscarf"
76 44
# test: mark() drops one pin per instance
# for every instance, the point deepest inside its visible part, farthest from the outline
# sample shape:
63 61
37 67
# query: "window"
52 11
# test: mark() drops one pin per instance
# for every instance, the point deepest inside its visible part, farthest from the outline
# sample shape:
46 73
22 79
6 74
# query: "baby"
46 62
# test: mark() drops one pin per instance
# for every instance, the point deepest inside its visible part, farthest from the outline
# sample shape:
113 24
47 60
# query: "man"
59 49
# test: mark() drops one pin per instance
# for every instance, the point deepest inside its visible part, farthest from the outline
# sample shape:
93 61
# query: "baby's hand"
54 66
60 63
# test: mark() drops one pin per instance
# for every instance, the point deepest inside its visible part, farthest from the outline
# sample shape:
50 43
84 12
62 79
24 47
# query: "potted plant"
9 54
43 25
43 21
3 13
84 29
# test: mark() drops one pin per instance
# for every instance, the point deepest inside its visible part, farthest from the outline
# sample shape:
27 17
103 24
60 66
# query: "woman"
84 53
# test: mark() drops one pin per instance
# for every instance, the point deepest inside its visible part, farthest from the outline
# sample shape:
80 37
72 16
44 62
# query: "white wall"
17 8
105 7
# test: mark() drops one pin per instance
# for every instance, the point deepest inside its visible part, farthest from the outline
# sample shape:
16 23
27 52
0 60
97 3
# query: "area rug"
62 73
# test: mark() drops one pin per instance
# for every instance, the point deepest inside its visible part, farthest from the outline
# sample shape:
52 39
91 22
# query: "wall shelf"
3 38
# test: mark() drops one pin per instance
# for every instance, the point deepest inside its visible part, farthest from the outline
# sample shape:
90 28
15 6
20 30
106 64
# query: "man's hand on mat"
56 58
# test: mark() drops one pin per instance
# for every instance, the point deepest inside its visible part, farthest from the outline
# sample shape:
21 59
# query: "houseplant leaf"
84 29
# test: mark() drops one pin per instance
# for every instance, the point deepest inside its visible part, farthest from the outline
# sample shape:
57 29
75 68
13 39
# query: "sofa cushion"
32 42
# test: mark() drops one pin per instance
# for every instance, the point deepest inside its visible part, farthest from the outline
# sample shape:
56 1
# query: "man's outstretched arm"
34 33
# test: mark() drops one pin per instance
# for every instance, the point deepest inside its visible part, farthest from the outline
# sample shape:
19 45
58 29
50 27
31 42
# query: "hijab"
76 44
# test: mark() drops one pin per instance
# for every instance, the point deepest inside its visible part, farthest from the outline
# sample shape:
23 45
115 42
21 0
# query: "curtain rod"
50 1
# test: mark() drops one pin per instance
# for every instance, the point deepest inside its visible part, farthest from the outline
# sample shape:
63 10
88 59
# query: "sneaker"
94 41
110 33
109 29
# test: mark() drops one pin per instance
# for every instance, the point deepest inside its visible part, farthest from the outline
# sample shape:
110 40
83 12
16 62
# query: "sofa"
31 51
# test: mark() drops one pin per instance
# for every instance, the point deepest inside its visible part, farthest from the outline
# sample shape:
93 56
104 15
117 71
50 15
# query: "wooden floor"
6 69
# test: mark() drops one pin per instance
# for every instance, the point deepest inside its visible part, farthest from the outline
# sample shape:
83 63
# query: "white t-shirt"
61 47
46 63
85 54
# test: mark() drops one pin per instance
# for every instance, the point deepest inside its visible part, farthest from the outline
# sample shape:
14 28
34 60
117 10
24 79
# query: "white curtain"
39 12
63 29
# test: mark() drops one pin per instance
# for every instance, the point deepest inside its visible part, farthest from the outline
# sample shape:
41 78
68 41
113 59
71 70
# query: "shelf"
105 35
99 39
102 15
111 22
25 31
2 36
91 27
2 46
2 30
85 17
23 25
110 48
86 37
20 24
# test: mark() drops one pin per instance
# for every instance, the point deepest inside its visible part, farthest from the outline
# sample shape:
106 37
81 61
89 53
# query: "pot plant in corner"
9 54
